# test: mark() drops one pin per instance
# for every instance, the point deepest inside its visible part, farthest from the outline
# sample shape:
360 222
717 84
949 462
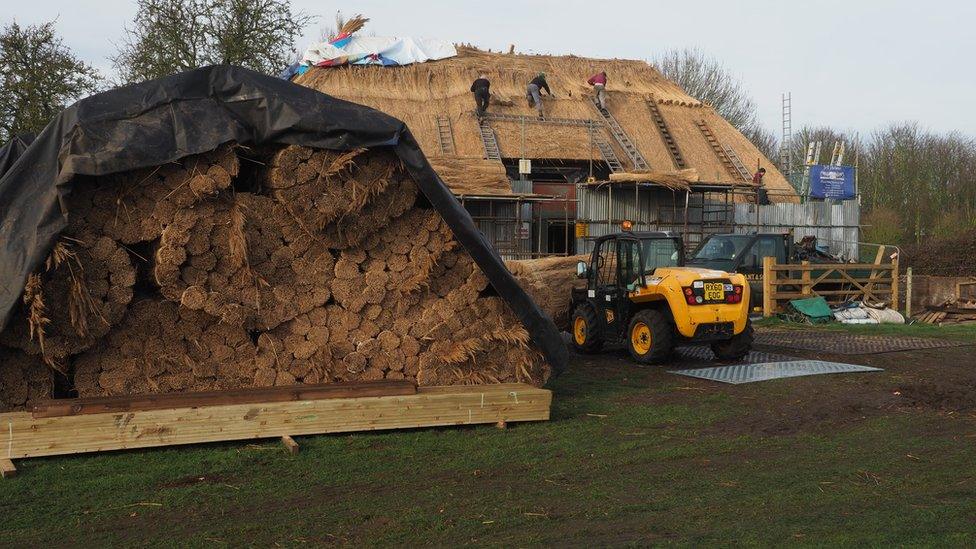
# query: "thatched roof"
419 94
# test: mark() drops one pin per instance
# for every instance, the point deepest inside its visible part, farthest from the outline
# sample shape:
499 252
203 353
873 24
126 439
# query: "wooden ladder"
618 133
445 133
662 128
718 148
489 141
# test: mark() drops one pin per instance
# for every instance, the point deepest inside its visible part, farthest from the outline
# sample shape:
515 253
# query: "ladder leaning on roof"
618 133
445 132
739 167
665 131
605 148
719 149
488 141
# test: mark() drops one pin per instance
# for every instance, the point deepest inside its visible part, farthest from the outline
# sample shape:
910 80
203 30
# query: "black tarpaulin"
194 112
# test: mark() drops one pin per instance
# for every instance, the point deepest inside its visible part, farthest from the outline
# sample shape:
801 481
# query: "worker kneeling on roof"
533 92
482 94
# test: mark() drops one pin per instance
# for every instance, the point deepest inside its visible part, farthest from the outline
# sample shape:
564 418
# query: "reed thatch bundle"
340 197
679 180
472 175
550 282
80 293
23 379
330 269
162 347
135 206
242 260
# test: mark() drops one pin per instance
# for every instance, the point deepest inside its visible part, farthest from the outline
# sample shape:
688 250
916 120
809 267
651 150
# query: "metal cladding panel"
835 225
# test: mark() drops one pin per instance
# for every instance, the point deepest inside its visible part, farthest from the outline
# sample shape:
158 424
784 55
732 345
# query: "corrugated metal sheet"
836 225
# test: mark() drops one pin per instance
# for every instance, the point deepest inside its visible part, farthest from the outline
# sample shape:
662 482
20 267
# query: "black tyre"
650 337
737 347
586 338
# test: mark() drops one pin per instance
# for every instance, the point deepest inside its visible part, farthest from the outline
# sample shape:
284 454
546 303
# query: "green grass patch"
629 457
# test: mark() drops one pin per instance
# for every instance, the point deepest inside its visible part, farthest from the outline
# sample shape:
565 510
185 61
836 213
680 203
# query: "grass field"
631 456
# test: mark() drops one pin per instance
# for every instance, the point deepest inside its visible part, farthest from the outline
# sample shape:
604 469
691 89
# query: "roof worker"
534 95
761 197
482 94
599 83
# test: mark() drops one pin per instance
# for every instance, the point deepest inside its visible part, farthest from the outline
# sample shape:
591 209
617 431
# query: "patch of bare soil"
931 379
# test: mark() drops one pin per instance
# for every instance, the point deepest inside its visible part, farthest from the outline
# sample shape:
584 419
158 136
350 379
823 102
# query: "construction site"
597 314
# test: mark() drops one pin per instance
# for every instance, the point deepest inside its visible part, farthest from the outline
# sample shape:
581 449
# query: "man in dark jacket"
480 88
533 92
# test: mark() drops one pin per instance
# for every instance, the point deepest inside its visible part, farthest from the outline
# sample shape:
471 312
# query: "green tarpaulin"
814 308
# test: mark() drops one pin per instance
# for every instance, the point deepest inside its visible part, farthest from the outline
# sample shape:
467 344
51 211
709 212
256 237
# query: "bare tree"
170 36
711 82
38 76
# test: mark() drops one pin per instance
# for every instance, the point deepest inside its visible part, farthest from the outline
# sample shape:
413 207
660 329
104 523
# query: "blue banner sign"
835 182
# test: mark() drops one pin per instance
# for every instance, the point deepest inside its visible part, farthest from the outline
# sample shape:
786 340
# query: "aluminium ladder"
605 148
717 148
665 131
739 167
489 141
622 138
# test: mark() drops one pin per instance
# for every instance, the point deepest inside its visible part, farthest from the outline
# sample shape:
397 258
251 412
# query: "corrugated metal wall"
835 225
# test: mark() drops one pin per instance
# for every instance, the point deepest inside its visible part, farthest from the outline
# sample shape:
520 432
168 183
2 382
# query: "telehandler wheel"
585 338
737 347
650 337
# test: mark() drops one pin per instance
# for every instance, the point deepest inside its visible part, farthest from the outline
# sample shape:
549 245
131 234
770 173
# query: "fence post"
894 283
767 282
806 288
908 293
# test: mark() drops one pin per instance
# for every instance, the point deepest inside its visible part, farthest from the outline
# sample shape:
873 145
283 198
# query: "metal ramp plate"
748 373
701 355
848 344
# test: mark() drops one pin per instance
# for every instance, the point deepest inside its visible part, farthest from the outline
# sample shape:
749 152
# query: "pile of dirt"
952 256
323 267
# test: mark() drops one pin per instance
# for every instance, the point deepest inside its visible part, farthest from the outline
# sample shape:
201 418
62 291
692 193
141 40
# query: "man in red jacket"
599 83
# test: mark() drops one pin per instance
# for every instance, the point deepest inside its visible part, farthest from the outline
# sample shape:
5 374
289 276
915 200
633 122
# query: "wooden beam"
769 273
290 444
428 407
99 405
7 469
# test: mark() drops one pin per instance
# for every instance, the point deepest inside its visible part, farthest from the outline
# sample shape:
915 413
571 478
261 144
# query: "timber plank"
428 407
128 403
7 469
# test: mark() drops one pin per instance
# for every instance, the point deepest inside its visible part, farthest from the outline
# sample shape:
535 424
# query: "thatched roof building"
426 95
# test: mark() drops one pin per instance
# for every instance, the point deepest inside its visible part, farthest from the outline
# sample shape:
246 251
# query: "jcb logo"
610 316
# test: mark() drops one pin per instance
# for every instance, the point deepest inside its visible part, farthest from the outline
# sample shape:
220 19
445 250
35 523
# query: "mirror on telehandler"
581 269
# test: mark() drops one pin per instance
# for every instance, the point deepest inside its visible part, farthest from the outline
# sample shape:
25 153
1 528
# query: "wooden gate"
835 282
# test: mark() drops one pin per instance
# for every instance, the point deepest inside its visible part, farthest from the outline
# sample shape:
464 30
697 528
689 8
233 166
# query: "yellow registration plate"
714 291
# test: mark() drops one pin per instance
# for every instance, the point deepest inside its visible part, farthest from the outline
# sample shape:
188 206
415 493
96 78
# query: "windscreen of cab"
720 252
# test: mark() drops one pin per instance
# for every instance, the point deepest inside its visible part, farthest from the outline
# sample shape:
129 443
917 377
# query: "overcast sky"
855 65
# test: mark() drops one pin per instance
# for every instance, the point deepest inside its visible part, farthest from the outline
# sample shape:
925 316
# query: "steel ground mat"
748 373
848 344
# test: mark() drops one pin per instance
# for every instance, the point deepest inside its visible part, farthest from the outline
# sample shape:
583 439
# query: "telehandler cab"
639 293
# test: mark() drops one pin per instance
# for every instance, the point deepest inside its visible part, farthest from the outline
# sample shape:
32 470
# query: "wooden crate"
90 429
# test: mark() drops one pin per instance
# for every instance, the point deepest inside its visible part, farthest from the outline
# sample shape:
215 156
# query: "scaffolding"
514 224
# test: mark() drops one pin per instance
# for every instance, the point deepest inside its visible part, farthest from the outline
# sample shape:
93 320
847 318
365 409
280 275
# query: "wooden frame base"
23 435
